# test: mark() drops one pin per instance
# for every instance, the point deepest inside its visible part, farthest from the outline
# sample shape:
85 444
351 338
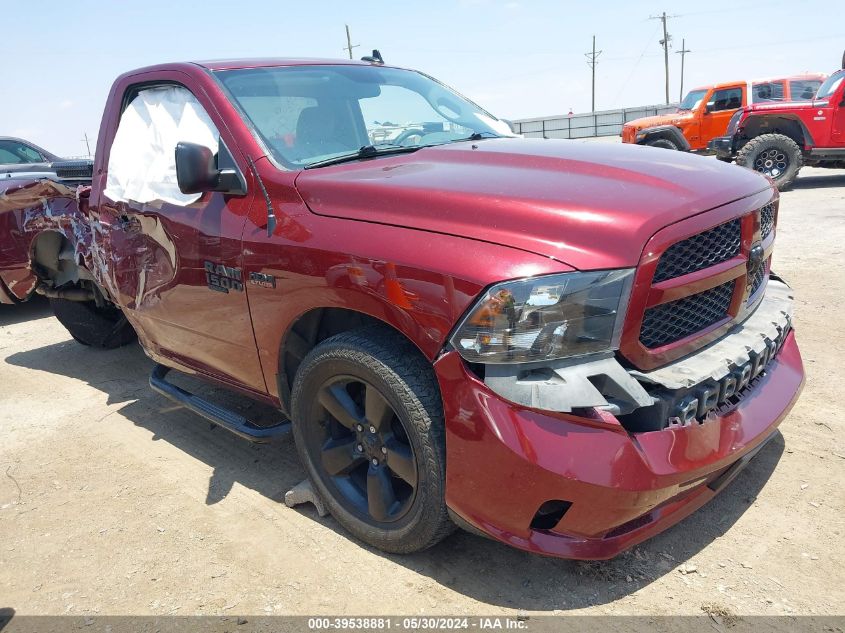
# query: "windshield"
692 99
830 85
310 114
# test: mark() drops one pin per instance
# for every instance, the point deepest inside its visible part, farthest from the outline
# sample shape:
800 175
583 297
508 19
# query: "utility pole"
349 45
665 43
591 62
87 145
683 52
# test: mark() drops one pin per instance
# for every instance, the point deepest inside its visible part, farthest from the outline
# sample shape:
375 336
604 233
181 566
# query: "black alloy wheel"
369 429
364 449
772 162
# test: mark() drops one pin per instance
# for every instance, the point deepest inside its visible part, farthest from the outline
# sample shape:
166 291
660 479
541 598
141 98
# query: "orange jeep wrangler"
704 113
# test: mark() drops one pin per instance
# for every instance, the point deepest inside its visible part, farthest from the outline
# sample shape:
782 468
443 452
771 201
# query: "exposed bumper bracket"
570 384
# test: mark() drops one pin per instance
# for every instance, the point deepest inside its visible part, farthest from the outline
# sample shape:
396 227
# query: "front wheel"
774 155
663 143
368 426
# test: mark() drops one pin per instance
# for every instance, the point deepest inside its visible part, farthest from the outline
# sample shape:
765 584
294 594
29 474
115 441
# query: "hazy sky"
517 58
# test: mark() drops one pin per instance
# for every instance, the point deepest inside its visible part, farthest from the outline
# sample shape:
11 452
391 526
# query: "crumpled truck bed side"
32 211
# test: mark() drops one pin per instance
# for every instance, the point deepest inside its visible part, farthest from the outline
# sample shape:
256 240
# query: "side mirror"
709 107
198 171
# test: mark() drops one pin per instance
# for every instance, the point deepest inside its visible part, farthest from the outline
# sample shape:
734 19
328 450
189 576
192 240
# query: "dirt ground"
112 501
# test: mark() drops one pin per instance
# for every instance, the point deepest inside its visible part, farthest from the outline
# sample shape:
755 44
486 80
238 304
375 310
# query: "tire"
98 327
774 155
663 143
397 505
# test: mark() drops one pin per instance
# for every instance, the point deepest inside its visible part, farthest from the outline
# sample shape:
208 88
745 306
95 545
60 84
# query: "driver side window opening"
727 99
142 160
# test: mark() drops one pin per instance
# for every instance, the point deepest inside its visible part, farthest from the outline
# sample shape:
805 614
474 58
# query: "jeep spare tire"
775 155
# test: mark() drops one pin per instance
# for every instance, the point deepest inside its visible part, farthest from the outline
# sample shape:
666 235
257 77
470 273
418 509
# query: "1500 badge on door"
222 278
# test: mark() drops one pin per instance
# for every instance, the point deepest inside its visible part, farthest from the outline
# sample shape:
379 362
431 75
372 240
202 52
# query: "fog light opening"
550 514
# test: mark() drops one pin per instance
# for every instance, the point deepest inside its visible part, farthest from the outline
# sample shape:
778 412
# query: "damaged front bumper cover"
680 392
612 488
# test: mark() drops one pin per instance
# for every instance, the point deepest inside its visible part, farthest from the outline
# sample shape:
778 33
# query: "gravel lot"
112 501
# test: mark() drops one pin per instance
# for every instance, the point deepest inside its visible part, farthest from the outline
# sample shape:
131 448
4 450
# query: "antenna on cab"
375 58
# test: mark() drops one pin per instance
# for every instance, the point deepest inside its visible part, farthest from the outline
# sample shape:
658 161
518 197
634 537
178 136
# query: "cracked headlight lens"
546 318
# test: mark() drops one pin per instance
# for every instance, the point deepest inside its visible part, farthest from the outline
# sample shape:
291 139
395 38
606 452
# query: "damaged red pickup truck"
565 346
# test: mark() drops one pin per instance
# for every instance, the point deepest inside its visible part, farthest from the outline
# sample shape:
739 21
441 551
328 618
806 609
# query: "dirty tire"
98 327
663 143
775 155
374 358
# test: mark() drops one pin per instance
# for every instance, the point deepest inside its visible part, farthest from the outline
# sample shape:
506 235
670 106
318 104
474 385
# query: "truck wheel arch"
316 325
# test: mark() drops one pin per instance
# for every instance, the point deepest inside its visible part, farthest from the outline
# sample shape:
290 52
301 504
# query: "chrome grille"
700 251
670 322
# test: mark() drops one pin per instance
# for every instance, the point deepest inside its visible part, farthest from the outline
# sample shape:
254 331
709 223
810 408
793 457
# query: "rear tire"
774 155
387 485
663 143
88 324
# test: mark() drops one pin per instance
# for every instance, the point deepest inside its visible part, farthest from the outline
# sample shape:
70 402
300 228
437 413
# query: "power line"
592 62
665 43
634 67
349 46
683 53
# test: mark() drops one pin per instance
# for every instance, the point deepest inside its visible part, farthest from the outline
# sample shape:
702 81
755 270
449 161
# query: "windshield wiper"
368 151
477 136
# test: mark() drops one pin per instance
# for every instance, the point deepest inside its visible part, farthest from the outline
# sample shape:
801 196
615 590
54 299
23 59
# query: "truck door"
719 109
174 260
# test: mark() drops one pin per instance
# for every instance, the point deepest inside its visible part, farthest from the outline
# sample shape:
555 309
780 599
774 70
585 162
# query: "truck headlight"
546 318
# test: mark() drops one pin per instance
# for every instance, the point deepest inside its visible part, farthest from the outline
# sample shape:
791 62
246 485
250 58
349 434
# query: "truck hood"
589 205
676 118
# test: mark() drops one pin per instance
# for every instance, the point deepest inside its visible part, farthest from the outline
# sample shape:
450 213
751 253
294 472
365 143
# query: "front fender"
766 123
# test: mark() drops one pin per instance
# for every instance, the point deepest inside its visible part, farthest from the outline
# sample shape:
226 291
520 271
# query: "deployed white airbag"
142 162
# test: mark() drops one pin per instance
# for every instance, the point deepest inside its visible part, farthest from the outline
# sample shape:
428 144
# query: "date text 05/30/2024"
419 623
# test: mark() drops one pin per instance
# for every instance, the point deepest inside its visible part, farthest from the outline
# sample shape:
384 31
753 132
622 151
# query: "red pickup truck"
565 346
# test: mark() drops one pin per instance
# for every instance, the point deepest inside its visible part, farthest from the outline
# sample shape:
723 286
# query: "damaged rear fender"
45 233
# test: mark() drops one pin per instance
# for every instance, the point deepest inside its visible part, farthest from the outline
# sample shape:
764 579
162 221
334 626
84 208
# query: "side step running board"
218 415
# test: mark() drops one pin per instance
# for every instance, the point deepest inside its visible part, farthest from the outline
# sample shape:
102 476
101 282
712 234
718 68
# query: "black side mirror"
198 170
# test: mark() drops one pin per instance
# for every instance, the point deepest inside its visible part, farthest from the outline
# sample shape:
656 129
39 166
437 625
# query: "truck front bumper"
722 146
504 461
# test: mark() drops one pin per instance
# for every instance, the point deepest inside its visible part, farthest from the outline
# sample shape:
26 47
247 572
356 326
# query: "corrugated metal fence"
603 123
